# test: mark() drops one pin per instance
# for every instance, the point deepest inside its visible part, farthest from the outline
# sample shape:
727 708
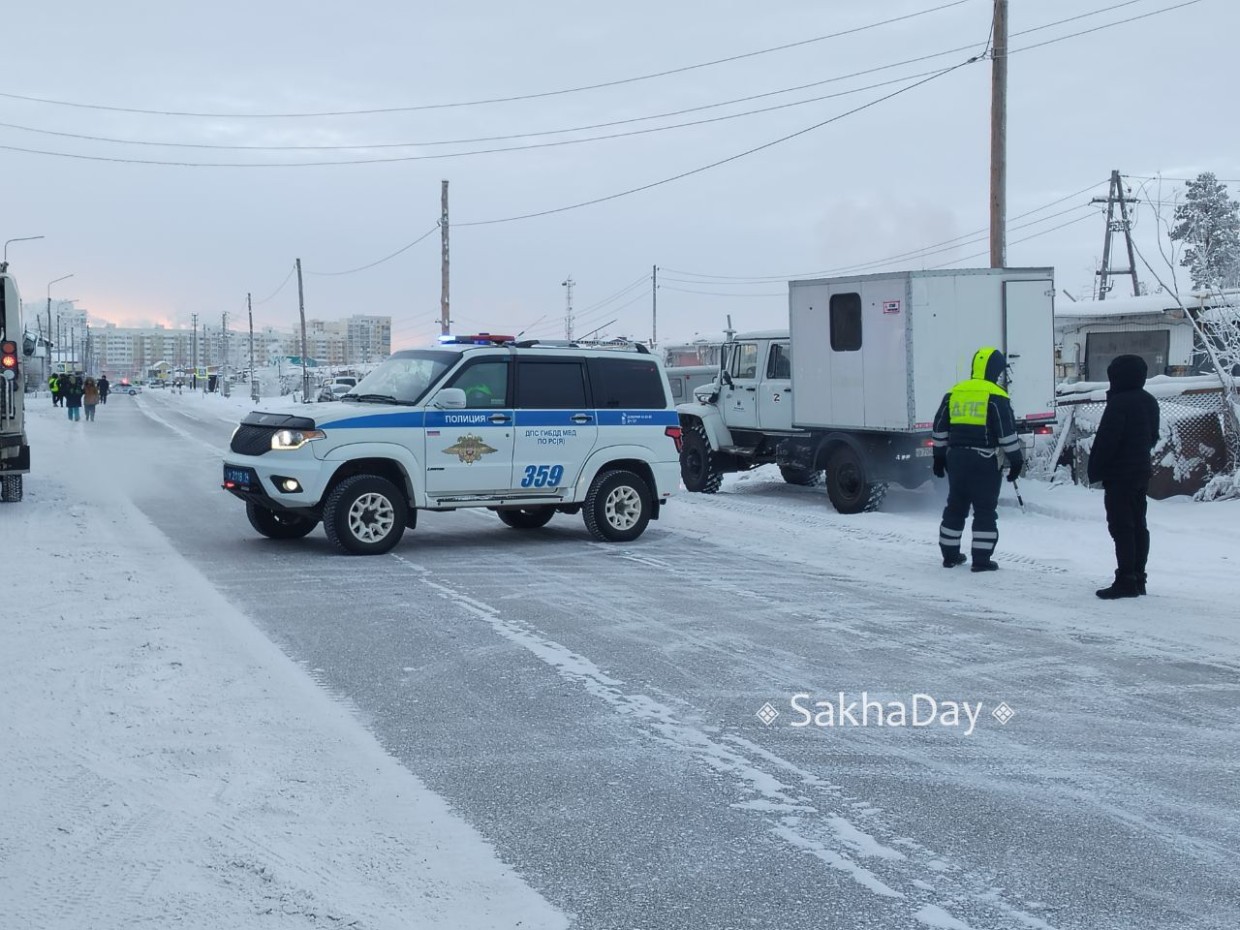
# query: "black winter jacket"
1129 428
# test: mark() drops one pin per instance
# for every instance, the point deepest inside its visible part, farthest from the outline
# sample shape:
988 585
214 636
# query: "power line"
493 100
722 161
509 136
504 149
403 248
685 290
1045 232
721 280
278 289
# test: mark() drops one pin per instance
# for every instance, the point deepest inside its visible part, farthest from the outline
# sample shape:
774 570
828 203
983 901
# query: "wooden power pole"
301 307
654 306
1117 195
445 320
998 138
249 306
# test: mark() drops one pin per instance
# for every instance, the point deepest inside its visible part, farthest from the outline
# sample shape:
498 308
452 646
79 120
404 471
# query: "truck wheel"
276 525
365 515
848 483
699 468
803 477
11 489
527 518
618 506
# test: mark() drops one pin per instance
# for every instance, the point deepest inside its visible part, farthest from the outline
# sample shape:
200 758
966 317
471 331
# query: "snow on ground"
165 764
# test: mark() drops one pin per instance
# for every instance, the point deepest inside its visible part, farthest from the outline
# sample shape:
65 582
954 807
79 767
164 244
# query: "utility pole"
1116 195
221 380
654 306
194 378
445 321
998 138
567 284
301 307
249 306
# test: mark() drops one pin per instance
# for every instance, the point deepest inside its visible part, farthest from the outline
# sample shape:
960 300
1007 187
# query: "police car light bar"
478 339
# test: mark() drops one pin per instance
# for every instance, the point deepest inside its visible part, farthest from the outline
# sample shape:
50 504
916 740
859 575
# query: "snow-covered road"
589 712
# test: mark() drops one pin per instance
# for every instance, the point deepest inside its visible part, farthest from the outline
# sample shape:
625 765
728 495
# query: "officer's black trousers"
973 481
1125 504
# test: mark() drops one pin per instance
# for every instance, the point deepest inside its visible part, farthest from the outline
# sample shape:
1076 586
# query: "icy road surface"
591 710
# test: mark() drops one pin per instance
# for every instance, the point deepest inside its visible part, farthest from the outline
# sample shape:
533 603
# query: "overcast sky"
157 242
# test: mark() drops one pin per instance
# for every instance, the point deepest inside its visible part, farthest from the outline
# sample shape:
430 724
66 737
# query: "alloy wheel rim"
623 508
371 517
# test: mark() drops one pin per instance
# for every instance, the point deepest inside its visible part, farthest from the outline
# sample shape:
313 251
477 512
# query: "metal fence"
1198 439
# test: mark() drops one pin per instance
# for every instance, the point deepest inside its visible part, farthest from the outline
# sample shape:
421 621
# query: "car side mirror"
450 399
726 378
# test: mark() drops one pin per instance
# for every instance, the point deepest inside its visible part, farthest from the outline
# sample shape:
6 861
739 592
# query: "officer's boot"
982 562
952 556
1122 586
1140 582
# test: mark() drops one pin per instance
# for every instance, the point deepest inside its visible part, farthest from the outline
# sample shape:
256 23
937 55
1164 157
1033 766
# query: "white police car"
526 429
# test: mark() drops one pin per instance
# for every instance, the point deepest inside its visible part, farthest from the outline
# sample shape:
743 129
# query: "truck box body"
878 352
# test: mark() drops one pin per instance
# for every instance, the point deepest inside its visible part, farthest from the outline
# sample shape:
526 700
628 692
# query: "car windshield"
404 378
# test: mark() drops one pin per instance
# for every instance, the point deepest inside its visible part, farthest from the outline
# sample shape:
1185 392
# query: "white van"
525 429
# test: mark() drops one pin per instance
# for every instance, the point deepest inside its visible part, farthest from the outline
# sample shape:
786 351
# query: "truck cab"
15 350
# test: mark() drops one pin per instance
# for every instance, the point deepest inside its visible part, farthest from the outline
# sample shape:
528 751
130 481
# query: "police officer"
974 433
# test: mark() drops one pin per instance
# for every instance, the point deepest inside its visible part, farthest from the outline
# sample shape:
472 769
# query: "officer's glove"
1014 469
940 467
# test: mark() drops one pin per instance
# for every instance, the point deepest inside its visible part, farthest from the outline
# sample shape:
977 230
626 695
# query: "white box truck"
850 390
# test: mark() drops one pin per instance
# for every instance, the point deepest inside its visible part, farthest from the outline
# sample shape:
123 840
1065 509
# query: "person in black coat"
105 388
1120 461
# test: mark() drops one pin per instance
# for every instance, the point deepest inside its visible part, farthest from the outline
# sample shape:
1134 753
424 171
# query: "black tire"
365 515
849 484
699 464
11 489
527 518
277 525
802 477
618 506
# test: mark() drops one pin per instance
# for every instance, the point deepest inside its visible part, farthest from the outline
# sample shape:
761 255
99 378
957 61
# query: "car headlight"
287 439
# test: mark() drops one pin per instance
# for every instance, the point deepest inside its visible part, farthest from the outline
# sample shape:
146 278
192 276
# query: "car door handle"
500 418
787 390
751 389
581 418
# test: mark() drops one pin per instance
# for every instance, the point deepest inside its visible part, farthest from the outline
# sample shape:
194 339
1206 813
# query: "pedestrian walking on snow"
974 433
71 390
90 398
105 388
1120 460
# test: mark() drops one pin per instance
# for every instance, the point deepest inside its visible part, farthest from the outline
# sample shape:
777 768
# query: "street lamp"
4 265
49 312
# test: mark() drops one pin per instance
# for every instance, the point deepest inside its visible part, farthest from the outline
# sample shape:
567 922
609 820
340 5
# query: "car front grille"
252 440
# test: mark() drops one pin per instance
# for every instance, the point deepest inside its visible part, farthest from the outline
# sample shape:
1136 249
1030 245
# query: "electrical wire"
1045 232
403 248
493 100
685 290
721 280
272 296
722 161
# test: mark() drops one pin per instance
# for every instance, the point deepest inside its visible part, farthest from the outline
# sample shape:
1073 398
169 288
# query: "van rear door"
1029 344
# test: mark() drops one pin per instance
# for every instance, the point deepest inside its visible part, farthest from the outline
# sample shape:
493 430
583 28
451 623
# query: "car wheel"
275 524
802 477
699 468
849 485
11 489
618 506
365 515
527 518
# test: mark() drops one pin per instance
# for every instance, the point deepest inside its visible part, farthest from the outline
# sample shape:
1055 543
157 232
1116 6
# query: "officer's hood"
988 365
1127 373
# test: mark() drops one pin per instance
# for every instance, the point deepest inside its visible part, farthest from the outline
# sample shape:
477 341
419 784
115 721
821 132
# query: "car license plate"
923 452
237 478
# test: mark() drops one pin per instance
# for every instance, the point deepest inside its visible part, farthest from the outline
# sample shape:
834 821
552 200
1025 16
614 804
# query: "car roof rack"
572 344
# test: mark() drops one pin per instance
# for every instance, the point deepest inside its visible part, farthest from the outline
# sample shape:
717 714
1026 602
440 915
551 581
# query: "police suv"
526 429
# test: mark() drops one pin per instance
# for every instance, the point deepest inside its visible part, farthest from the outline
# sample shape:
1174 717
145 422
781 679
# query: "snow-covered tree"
1208 223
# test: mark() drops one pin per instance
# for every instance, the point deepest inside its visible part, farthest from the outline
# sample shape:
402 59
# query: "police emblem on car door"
469 449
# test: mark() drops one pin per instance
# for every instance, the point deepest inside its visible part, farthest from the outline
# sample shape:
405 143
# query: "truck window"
845 313
626 383
485 384
779 365
745 360
550 384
